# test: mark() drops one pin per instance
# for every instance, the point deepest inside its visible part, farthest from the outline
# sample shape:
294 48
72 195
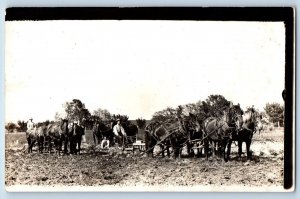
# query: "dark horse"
173 133
58 134
154 133
131 131
219 130
195 134
75 136
246 133
101 130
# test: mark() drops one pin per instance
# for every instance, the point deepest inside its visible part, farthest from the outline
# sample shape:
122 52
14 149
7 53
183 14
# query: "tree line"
214 105
75 110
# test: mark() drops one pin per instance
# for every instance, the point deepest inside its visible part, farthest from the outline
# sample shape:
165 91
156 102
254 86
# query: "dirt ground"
125 169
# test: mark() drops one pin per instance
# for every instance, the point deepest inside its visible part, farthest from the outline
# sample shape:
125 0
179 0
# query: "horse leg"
180 152
99 139
28 143
60 144
71 146
240 144
94 138
79 144
32 144
248 143
229 149
151 146
168 151
65 145
190 151
49 145
206 146
214 147
224 145
162 148
176 152
41 144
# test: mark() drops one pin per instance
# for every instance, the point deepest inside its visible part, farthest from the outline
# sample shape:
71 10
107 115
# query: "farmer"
119 132
30 125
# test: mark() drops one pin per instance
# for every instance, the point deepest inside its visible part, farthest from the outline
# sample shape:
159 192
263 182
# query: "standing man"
119 132
30 125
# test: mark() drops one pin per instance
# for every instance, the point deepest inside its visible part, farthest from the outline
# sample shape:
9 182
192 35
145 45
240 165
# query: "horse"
259 127
75 136
246 133
41 133
175 133
31 138
58 133
97 135
100 130
219 130
194 129
154 133
131 131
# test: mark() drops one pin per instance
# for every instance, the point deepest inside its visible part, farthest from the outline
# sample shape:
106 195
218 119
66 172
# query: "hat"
118 119
30 118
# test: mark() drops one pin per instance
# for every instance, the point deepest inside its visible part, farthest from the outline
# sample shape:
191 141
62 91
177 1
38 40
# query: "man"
119 132
104 143
30 125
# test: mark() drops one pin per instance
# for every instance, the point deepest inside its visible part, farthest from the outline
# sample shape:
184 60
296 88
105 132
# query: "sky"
139 67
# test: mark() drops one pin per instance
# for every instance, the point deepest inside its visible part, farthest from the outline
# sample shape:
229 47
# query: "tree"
275 111
141 123
22 126
215 105
76 111
103 114
165 115
10 127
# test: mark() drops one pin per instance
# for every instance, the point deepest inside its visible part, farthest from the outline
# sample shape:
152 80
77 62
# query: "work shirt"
30 125
118 129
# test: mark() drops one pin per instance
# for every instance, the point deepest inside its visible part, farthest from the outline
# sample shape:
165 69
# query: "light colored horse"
36 135
218 131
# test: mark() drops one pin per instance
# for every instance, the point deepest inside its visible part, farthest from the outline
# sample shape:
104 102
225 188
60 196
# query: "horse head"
64 126
250 119
96 126
235 118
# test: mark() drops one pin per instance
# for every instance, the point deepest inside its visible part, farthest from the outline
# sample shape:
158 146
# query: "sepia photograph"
148 102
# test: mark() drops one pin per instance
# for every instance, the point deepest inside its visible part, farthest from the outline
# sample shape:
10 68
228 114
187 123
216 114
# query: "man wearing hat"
119 132
30 125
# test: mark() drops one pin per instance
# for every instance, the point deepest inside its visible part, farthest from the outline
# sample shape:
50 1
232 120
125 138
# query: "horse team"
57 136
213 134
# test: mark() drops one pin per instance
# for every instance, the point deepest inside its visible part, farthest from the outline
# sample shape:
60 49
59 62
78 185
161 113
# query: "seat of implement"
139 145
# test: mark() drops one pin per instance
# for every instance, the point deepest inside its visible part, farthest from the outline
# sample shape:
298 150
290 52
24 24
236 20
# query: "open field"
124 169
